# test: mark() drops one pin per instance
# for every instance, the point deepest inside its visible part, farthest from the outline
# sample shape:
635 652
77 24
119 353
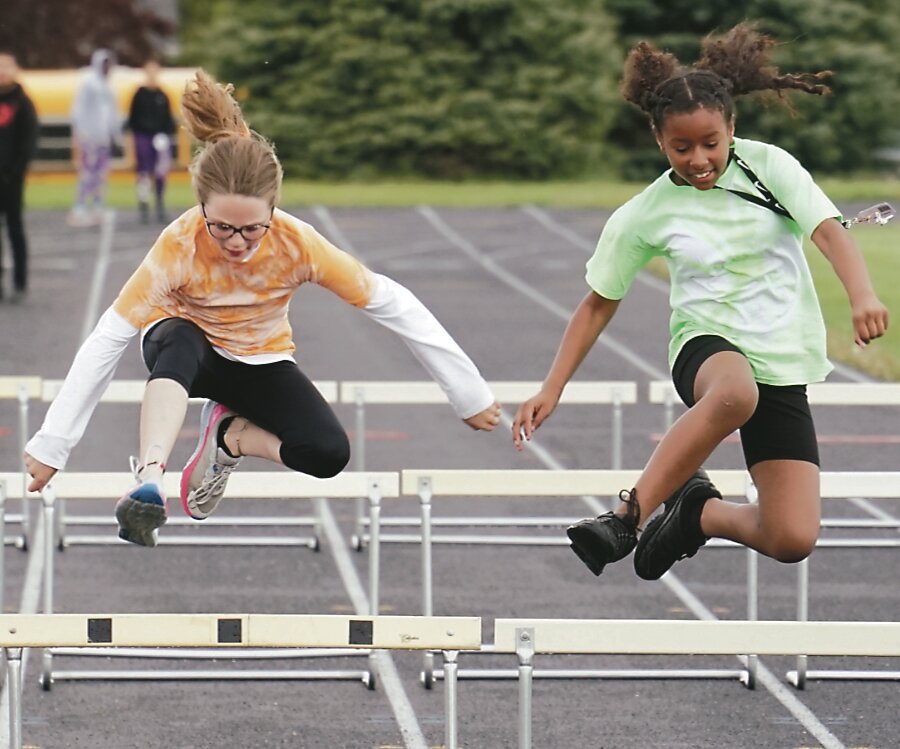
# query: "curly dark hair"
734 64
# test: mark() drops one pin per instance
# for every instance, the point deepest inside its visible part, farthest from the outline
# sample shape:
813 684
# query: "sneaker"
604 539
141 512
204 477
676 534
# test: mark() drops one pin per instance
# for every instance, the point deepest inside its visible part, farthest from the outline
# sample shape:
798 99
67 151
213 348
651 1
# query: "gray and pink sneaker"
204 477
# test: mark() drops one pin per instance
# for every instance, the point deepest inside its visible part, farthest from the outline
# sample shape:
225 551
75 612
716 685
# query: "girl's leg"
173 351
282 417
726 396
784 524
782 455
162 415
715 379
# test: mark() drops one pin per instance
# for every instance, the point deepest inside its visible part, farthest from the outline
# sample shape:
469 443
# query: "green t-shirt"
737 269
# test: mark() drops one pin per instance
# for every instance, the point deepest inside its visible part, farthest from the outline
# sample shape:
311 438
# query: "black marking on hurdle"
99 630
360 632
229 630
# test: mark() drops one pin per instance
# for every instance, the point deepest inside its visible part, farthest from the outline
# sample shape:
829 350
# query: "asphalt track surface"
504 283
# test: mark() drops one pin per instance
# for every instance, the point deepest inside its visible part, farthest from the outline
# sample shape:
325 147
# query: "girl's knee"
733 404
327 457
794 545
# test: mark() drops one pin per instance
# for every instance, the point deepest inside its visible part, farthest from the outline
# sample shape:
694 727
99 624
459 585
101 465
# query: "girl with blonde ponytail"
211 303
728 218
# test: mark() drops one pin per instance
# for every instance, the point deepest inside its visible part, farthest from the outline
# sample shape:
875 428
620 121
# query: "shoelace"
213 481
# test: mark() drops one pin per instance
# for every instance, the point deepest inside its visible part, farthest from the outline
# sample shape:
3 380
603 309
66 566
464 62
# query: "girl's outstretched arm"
870 316
587 322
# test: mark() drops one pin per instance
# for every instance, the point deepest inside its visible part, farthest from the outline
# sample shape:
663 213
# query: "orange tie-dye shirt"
241 307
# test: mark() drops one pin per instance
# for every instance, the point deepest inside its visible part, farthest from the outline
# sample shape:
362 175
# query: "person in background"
153 127
18 141
96 131
211 301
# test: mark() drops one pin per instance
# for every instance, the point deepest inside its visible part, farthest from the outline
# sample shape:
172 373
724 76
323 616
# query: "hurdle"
528 637
612 393
279 485
132 392
275 632
23 389
874 485
561 484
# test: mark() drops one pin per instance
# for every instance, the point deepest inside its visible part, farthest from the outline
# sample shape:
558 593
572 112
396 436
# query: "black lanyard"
765 197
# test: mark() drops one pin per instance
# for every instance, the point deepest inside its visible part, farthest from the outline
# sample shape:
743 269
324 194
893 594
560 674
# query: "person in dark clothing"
150 120
18 139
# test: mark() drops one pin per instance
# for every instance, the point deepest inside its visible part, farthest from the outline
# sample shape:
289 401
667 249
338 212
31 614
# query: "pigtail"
646 68
742 58
210 111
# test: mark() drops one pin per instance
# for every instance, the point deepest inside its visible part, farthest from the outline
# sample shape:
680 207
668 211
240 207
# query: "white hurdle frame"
132 392
23 389
219 631
526 637
566 484
614 393
838 486
279 485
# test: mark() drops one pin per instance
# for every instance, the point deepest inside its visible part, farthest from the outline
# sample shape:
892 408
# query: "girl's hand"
870 319
486 420
531 414
39 472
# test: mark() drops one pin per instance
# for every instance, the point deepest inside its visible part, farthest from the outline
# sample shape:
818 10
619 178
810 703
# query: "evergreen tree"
445 88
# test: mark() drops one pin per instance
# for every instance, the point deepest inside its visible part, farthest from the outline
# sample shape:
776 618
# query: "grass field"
880 245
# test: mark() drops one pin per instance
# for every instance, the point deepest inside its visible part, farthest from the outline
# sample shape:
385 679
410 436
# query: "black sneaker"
676 534
607 538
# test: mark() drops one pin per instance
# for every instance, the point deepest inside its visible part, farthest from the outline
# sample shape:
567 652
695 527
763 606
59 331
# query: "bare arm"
870 316
587 322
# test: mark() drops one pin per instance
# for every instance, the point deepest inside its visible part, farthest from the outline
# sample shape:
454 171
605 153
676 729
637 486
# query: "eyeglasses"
250 232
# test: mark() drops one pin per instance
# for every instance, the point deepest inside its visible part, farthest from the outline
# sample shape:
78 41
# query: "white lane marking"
393 687
529 291
387 671
31 590
92 313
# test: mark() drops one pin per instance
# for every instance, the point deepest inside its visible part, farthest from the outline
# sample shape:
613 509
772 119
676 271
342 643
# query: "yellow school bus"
53 92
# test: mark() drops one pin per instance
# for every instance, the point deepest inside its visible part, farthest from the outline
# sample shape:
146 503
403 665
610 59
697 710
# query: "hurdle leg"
748 678
14 685
2 544
374 569
450 684
525 653
48 501
427 598
359 449
798 677
23 435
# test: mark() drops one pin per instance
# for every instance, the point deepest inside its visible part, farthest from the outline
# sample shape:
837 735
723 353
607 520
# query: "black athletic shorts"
782 426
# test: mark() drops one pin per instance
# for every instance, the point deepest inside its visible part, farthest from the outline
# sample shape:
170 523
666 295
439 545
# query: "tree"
448 88
63 34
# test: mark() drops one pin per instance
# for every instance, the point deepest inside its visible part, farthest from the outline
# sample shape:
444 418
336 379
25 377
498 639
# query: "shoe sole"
581 544
138 520
185 489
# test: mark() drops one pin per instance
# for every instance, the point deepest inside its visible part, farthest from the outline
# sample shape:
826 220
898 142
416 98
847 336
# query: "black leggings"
277 397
